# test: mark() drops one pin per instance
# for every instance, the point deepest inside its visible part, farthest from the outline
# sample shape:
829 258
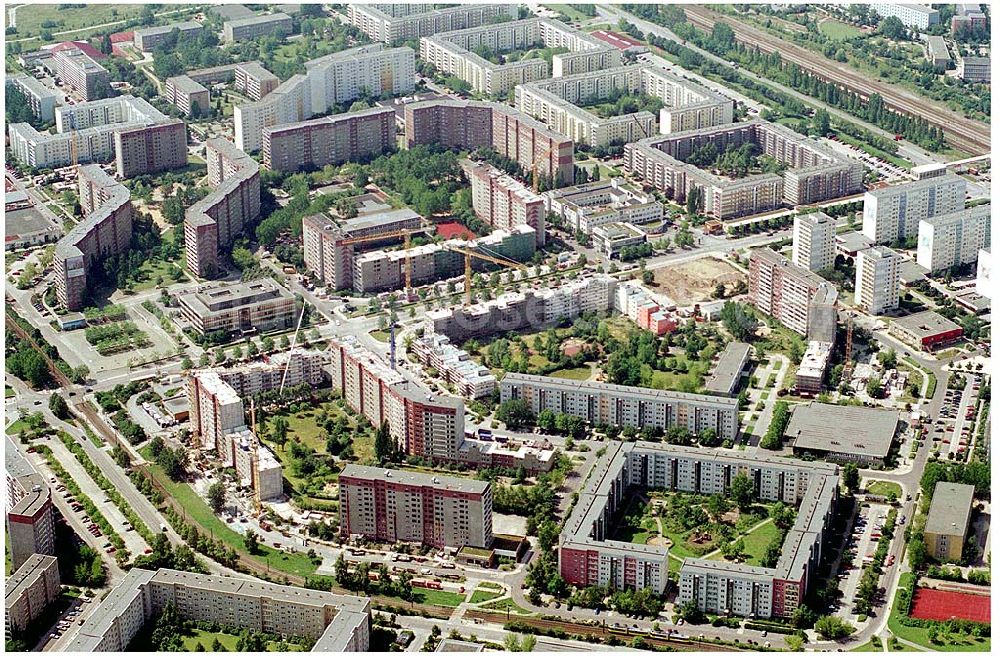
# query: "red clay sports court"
939 605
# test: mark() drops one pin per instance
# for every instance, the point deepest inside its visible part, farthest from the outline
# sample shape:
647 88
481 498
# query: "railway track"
963 133
601 632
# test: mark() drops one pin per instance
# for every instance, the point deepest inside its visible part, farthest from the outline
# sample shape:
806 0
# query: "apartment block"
30 513
948 521
794 296
106 230
454 365
468 125
41 99
29 591
585 207
954 239
255 464
588 557
611 404
147 39
91 129
329 80
335 622
234 202
403 506
504 202
634 303
216 411
811 373
514 311
814 244
911 15
452 53
815 174
254 81
395 23
254 306
350 137
324 246
968 17
893 213
81 75
876 281
555 102
423 425
254 27
189 96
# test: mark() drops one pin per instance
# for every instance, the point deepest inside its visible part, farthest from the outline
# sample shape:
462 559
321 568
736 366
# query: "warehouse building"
927 330
843 433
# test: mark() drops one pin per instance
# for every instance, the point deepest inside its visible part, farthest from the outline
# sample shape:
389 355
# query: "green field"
838 31
573 373
755 542
481 595
437 597
379 335
197 510
504 604
883 488
15 428
8 392
73 17
571 11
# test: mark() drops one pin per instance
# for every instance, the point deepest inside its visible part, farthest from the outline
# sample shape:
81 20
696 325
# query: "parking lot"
859 553
953 428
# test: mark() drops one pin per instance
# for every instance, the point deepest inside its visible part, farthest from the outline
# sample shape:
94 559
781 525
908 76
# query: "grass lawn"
30 18
15 428
883 488
305 426
572 373
503 604
437 597
8 392
874 645
481 595
918 635
206 638
379 335
755 542
571 11
838 31
197 510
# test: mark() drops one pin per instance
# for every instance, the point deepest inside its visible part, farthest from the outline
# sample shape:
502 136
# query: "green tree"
58 406
851 477
217 497
741 490
831 627
251 542
515 413
386 449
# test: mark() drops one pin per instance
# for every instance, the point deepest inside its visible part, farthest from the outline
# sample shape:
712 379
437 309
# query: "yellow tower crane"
469 255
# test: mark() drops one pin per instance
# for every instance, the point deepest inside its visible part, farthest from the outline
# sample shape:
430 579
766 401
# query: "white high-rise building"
814 243
983 266
894 213
876 284
954 239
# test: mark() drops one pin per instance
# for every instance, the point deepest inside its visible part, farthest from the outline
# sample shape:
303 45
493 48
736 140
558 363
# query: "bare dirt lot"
695 281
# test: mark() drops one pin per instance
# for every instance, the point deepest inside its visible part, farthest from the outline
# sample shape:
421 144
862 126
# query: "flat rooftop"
925 324
223 296
950 509
25 222
727 371
843 429
256 20
415 479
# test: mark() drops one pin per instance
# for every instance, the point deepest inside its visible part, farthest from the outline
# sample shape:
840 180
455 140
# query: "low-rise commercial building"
843 433
974 69
351 137
729 369
937 53
600 403
815 172
106 230
468 125
41 99
395 23
30 513
81 74
504 202
452 53
514 311
954 239
404 506
585 207
894 212
876 281
147 39
611 239
254 81
799 299
253 27
948 520
29 591
330 80
140 138
927 330
213 222
250 307
189 96
557 103
335 622
454 365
